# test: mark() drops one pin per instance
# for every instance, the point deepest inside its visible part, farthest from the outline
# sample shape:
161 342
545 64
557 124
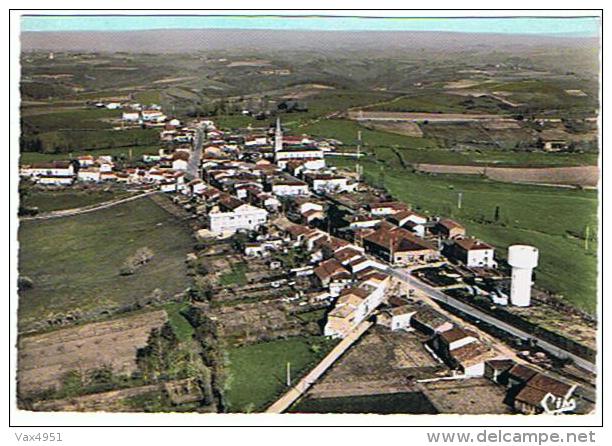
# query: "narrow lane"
193 165
288 398
478 314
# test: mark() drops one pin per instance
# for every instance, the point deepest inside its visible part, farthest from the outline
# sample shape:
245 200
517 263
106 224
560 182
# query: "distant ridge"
190 40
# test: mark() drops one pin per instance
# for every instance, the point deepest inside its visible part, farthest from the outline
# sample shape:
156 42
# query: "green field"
237 276
55 200
237 121
65 130
148 97
386 146
393 403
80 118
500 158
182 328
258 371
66 141
74 262
346 131
552 219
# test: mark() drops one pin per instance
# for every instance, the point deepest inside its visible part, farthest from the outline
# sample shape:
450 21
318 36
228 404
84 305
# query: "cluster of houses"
528 391
532 392
346 273
167 173
85 168
139 114
393 232
458 347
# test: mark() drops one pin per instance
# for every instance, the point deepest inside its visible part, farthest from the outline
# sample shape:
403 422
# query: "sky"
568 26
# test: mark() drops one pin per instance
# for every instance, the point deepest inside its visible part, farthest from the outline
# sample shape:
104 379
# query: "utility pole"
358 165
586 238
459 199
288 373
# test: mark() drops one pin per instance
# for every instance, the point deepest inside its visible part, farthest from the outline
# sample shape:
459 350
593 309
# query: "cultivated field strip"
44 359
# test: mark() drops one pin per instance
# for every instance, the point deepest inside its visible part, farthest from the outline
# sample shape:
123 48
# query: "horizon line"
575 26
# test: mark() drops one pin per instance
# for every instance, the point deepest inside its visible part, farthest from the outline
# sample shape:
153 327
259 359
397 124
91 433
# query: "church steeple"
278 136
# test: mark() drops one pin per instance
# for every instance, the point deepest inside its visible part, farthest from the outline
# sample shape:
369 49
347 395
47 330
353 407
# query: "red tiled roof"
471 244
331 269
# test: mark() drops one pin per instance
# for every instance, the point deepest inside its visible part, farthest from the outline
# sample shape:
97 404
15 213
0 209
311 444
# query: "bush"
24 283
139 259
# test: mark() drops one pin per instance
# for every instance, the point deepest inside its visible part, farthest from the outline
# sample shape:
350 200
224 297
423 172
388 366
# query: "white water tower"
523 259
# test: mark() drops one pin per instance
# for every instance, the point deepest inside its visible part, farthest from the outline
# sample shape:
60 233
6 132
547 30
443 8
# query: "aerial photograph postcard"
298 215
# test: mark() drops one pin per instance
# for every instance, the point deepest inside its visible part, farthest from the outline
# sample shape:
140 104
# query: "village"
282 225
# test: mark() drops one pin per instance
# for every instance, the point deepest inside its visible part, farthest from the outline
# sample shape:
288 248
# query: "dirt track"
420 117
86 209
587 176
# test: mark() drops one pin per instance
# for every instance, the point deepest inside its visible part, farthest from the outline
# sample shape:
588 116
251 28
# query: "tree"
160 354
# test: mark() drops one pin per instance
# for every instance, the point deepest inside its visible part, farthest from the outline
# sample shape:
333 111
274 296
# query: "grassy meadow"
55 200
258 371
74 262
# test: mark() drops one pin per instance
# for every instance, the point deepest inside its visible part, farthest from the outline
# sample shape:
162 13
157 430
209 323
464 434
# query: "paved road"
193 166
86 209
475 312
285 401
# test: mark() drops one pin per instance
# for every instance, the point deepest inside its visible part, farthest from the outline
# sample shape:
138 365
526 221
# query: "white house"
55 168
399 318
151 158
253 141
363 221
55 180
296 153
89 174
285 188
306 206
86 160
268 201
130 116
409 220
167 186
401 218
106 167
353 306
232 215
296 166
329 183
105 159
196 186
180 164
387 208
474 253
461 349
155 116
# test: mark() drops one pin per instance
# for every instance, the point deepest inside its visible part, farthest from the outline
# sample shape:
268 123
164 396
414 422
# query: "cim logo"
555 405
